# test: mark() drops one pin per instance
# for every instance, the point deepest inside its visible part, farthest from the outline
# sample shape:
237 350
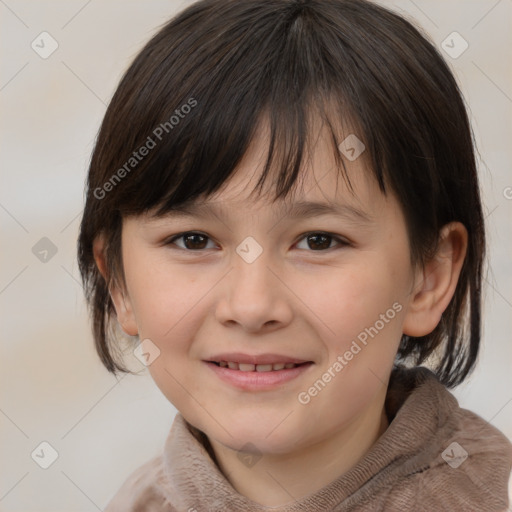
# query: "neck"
278 479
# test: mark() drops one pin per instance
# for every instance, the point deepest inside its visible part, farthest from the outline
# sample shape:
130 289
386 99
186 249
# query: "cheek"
169 311
351 300
162 295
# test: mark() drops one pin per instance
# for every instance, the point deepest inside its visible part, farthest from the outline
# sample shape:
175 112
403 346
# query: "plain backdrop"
53 387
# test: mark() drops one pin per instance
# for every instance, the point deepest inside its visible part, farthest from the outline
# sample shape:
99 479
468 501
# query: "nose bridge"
251 272
253 296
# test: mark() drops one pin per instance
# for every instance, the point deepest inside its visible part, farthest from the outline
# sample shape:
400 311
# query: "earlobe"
437 282
124 311
98 250
122 303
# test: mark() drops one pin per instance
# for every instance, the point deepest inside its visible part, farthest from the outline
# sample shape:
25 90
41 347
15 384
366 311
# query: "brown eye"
321 241
194 241
191 241
316 242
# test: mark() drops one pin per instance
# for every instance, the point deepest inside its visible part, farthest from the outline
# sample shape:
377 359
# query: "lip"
238 357
259 381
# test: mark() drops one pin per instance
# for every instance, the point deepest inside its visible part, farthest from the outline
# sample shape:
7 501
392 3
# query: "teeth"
247 367
263 367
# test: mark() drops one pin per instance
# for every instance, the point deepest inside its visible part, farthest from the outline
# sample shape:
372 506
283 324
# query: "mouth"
248 367
257 373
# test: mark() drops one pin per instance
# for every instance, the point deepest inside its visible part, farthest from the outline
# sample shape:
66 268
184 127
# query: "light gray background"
53 387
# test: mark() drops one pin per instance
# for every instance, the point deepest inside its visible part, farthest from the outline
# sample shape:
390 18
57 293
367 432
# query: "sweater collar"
420 414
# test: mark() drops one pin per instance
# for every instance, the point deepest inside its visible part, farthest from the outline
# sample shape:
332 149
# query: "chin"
263 436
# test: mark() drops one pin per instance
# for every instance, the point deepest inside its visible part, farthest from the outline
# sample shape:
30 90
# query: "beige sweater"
413 466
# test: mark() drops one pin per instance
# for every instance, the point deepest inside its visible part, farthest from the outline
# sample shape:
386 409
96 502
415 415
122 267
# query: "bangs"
290 138
200 125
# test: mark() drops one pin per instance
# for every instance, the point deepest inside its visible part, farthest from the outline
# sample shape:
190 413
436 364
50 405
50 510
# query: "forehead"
351 196
327 183
320 180
324 193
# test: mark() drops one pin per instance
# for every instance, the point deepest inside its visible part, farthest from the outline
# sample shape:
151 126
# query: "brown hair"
195 94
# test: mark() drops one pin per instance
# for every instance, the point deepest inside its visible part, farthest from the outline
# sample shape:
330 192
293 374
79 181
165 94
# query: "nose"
254 296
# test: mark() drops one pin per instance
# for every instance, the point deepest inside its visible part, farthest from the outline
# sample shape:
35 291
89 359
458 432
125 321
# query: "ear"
119 296
436 282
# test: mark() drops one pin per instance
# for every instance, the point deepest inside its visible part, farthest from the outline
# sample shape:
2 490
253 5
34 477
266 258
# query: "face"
250 282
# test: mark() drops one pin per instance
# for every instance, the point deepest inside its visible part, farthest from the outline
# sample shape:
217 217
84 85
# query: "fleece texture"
415 464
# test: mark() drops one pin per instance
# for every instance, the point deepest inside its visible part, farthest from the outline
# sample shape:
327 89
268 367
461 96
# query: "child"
320 155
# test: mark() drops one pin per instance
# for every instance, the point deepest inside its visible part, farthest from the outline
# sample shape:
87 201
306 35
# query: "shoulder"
143 490
445 488
470 471
457 461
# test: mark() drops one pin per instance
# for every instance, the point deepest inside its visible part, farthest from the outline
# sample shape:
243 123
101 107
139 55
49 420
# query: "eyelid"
170 240
342 241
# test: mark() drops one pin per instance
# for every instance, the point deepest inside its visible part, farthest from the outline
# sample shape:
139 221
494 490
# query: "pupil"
194 245
324 245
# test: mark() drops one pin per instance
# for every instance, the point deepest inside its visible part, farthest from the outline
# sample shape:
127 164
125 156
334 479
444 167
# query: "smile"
248 367
257 377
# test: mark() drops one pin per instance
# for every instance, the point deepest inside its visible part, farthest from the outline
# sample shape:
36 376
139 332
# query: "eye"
316 241
192 241
319 241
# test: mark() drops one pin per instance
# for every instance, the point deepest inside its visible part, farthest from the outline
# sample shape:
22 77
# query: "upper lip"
237 357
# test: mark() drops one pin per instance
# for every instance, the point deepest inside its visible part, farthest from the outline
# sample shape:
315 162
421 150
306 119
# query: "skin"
294 299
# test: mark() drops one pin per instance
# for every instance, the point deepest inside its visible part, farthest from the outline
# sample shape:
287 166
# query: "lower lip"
250 381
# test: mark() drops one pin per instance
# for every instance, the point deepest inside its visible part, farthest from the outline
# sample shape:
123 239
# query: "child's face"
317 301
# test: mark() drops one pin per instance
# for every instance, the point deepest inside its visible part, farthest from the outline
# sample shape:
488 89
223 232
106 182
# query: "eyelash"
341 242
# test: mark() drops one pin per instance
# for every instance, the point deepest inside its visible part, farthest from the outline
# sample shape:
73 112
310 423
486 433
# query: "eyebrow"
298 209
